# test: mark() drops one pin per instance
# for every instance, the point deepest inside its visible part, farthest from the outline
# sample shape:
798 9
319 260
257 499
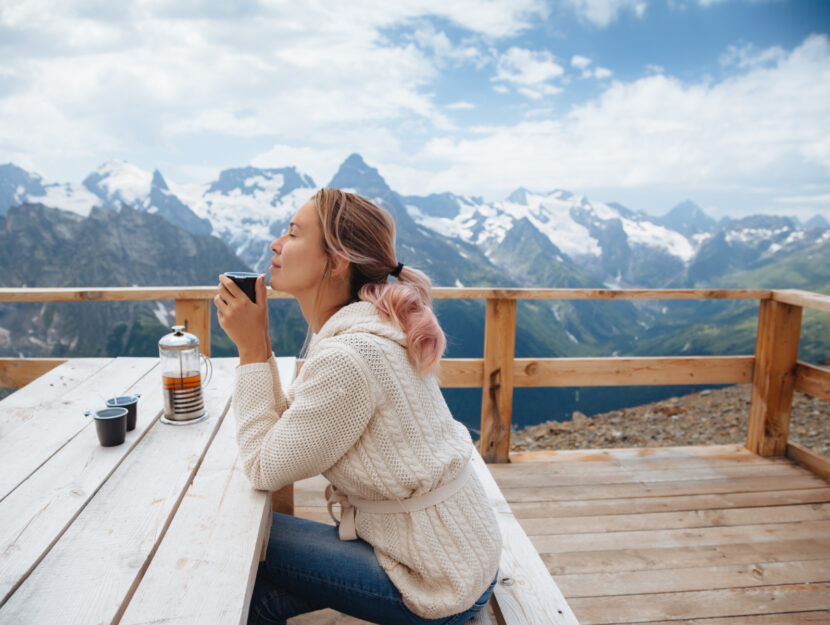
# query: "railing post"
194 315
497 383
773 379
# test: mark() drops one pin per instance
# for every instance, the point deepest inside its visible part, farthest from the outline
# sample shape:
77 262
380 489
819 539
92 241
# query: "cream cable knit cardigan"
359 414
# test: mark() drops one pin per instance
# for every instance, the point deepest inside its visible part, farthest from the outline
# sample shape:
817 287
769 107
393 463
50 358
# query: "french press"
181 375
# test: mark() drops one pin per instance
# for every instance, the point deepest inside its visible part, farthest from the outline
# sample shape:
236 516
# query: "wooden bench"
525 593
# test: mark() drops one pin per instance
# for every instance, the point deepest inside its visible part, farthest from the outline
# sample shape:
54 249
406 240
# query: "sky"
643 102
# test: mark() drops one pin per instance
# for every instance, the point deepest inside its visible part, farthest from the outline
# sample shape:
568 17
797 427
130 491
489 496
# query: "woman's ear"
339 265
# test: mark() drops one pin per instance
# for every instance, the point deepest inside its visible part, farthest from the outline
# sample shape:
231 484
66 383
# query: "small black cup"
246 281
111 425
130 402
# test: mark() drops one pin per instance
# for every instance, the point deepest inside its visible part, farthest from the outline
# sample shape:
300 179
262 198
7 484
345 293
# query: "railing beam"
773 379
497 380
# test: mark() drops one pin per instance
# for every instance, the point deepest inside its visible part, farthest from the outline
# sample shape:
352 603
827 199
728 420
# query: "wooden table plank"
99 560
35 515
696 578
704 603
56 421
598 541
676 520
51 386
623 560
204 569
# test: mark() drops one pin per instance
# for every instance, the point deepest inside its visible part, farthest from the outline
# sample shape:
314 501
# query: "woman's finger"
230 286
261 294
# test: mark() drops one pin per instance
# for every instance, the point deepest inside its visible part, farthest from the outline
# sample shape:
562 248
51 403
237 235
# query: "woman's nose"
276 245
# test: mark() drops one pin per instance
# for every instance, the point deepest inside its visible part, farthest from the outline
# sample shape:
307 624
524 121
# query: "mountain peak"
355 174
159 181
817 221
519 196
16 184
117 182
688 218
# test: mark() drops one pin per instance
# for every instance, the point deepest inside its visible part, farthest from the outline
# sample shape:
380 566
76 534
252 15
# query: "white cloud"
602 73
90 80
603 12
580 62
823 198
529 71
461 105
746 55
765 127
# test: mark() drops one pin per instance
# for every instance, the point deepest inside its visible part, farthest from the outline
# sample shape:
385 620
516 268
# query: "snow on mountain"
248 206
67 196
119 182
566 219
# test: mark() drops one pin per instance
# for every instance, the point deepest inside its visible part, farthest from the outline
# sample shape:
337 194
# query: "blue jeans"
307 567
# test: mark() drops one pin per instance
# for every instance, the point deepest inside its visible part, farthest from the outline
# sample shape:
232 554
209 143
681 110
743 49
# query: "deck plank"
671 503
677 520
697 578
623 560
701 604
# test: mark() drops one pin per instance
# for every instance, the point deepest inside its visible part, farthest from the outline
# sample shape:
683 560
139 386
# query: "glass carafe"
181 374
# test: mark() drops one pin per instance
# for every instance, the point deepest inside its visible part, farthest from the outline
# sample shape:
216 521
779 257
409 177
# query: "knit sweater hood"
361 415
358 318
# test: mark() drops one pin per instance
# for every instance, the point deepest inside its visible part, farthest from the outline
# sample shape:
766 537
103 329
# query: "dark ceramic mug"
130 402
111 425
246 281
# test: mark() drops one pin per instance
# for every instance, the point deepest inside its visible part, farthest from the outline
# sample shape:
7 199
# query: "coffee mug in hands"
111 425
130 402
246 281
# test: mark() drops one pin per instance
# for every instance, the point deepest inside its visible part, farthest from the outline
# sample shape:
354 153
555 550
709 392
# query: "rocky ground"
709 417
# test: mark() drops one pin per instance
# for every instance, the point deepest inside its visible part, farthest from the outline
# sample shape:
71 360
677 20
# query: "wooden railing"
774 370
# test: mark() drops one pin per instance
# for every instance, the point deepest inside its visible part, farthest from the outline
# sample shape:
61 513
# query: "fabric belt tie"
350 505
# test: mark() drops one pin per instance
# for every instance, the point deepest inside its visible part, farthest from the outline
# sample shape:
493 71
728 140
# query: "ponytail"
407 304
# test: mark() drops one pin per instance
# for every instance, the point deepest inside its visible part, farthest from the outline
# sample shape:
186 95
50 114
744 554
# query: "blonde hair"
364 234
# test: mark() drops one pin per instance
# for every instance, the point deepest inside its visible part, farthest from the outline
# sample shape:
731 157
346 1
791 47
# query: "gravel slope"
709 417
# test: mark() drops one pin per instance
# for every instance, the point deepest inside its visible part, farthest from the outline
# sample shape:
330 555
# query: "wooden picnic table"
163 528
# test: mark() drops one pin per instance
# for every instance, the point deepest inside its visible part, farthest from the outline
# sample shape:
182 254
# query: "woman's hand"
244 322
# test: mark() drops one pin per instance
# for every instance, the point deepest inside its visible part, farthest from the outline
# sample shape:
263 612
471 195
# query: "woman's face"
299 258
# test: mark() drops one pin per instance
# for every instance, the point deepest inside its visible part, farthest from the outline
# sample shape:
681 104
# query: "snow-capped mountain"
249 206
618 245
749 243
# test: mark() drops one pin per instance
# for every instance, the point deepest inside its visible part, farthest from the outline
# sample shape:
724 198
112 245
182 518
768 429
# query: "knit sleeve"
331 407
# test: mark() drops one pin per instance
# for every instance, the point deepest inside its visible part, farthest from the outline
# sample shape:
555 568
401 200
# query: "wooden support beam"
776 355
194 315
812 380
18 372
497 379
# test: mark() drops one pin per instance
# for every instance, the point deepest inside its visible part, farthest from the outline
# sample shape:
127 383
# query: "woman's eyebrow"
294 224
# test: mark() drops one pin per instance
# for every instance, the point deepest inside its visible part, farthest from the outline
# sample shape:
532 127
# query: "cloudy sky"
645 102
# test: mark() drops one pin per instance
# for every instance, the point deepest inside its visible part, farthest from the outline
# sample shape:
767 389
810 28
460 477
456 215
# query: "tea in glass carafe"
181 375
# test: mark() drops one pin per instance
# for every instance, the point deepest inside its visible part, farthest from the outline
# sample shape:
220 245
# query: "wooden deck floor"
709 535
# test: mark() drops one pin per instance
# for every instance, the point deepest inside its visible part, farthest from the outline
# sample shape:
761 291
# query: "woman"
417 541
